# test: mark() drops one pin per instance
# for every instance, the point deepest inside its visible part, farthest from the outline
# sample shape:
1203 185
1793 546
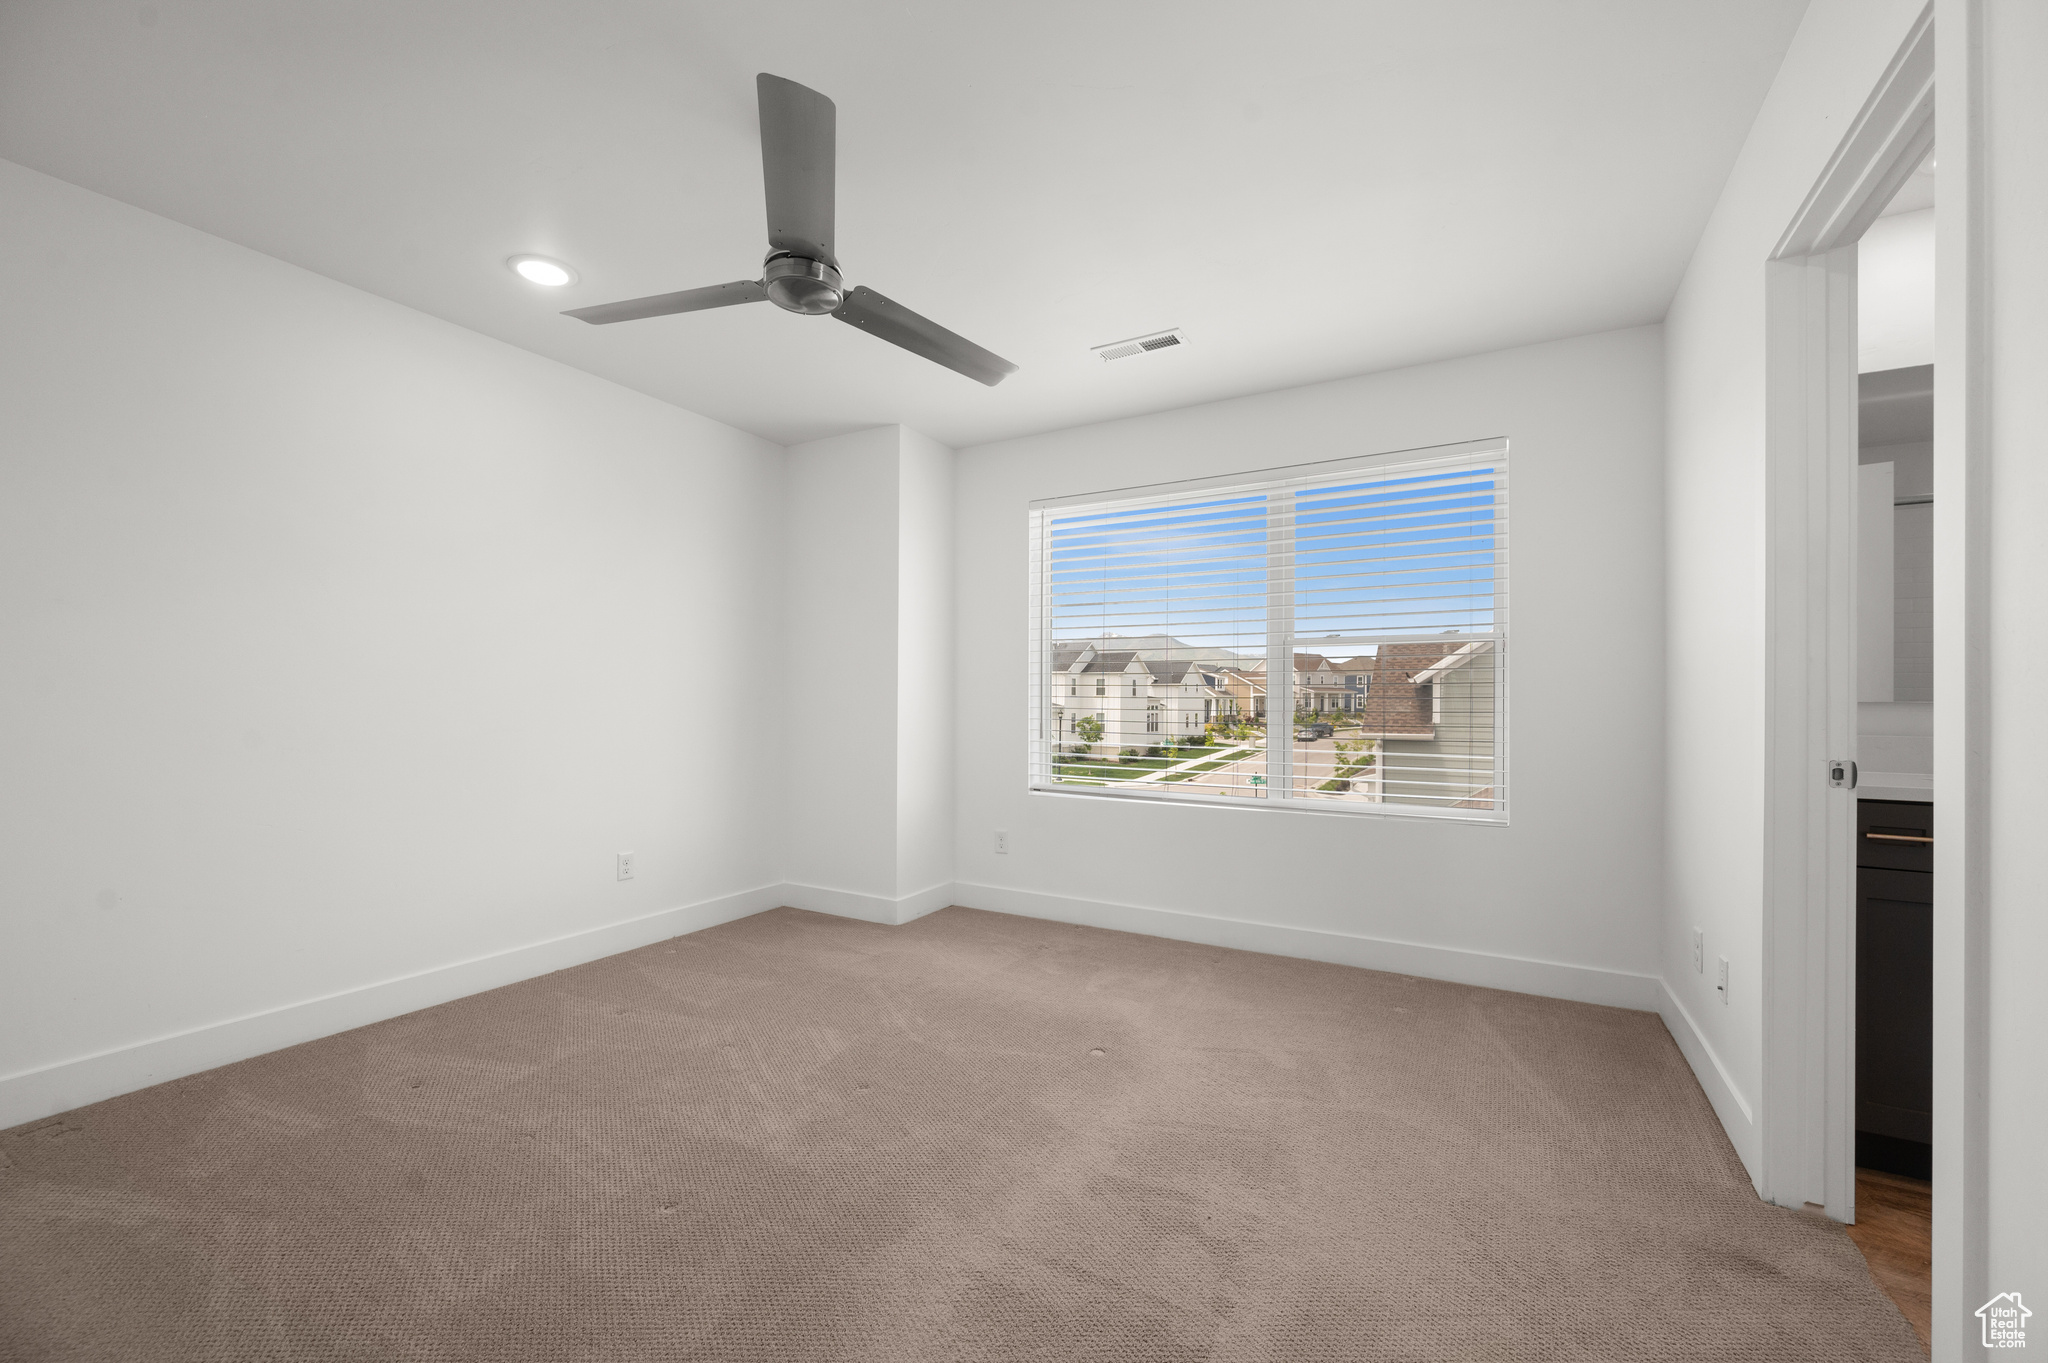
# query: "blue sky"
1413 554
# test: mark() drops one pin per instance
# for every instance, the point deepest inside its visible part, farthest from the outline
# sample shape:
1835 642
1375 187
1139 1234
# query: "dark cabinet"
1894 985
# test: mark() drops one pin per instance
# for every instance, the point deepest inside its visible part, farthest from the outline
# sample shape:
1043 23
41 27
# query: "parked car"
1309 733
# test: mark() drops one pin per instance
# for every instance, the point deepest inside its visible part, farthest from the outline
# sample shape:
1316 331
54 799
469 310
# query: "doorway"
1895 847
1849 801
1814 668
1806 1109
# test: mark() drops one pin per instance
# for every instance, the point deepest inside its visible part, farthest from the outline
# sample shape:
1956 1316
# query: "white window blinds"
1331 636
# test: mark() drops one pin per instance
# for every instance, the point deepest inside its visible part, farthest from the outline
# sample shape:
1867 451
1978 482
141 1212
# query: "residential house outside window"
1328 636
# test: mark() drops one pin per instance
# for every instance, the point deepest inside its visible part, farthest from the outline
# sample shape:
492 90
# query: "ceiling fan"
799 129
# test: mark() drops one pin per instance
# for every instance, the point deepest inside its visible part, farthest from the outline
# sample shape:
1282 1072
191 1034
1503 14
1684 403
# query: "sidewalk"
1228 756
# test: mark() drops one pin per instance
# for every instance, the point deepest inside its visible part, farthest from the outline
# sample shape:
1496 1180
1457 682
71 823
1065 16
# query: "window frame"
1281 640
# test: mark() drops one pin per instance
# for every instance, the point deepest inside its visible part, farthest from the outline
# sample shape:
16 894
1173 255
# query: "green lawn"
1209 766
1125 770
1095 771
1108 771
1344 774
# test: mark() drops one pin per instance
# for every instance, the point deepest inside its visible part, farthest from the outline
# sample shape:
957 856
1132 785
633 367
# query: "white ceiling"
1310 189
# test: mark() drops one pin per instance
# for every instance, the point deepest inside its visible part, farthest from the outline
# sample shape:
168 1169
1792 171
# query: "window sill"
1480 817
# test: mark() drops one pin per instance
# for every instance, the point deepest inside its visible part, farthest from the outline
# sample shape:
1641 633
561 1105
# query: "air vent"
1139 345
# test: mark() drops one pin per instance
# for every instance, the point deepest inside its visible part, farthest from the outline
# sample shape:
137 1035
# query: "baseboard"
1552 979
36 1093
872 908
1729 1105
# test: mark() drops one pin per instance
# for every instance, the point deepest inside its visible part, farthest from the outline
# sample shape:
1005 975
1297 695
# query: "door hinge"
1842 773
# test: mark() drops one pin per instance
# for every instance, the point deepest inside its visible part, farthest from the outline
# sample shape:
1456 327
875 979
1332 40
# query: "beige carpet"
975 1137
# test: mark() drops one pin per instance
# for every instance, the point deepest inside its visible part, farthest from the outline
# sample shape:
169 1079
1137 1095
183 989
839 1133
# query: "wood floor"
1893 1229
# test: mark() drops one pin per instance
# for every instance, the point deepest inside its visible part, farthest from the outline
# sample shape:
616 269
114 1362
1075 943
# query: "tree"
1354 757
1088 729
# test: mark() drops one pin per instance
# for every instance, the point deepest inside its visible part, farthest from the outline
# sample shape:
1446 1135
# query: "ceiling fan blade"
898 325
799 165
662 304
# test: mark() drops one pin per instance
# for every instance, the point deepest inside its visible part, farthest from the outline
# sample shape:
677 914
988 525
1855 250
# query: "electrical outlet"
625 866
1699 952
1002 842
1722 987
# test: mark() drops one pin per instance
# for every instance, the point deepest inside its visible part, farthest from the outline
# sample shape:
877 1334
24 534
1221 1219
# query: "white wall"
1714 505
1912 589
2010 732
838 668
1562 901
1895 292
343 645
924 667
866 667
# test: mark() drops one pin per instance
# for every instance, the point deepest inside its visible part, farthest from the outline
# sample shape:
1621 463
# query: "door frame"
1963 736
1807 1150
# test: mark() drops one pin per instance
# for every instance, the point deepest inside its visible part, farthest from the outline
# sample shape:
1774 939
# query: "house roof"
1067 652
1146 648
1394 704
1303 662
1250 678
1456 658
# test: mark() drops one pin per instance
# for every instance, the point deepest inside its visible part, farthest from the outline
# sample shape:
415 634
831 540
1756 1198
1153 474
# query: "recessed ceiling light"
541 270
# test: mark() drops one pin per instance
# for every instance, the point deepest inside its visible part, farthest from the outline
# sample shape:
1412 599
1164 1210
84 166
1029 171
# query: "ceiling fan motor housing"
801 285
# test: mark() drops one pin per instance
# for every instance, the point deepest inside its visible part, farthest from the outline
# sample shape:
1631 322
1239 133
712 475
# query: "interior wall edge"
870 908
1738 1119
1454 965
66 1084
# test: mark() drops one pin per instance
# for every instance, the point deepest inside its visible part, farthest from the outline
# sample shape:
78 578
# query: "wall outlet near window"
1699 952
1722 987
1002 842
625 866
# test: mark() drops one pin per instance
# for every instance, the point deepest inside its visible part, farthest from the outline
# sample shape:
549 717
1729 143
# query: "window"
1385 576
